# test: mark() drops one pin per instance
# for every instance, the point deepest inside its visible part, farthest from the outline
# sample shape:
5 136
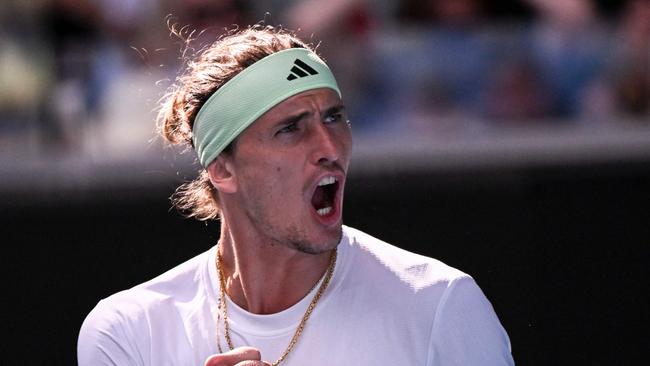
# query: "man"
287 283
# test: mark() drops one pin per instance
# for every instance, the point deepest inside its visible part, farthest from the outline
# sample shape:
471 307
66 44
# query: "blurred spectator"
24 77
515 94
73 31
632 74
432 66
570 50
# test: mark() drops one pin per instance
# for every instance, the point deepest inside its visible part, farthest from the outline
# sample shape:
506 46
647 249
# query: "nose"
325 145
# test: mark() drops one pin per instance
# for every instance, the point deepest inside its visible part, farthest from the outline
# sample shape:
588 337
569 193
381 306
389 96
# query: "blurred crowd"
86 74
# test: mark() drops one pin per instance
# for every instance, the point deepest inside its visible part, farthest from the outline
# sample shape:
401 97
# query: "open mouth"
324 196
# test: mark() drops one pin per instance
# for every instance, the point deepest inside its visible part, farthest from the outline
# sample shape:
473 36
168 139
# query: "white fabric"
383 306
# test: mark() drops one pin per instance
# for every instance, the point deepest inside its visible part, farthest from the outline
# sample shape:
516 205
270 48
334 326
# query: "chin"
325 242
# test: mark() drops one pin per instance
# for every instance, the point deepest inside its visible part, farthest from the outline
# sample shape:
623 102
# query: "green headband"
251 93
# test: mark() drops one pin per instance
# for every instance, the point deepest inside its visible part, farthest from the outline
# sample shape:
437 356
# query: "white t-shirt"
383 306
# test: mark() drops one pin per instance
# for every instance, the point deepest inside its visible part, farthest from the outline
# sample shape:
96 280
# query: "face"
289 170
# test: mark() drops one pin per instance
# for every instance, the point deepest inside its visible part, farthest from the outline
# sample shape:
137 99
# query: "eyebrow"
328 112
293 119
333 110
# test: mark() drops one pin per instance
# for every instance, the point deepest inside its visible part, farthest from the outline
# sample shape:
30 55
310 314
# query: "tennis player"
287 283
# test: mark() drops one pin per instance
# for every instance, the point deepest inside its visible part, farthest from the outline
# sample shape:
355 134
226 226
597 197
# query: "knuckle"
250 353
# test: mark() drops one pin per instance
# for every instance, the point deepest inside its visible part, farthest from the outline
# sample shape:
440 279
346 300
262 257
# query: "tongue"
319 200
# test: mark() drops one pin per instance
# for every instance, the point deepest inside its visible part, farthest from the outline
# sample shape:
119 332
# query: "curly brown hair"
201 77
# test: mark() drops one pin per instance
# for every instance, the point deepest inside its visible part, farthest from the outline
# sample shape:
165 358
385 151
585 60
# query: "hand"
240 356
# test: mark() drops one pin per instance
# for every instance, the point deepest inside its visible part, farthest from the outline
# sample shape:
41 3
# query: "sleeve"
466 330
107 338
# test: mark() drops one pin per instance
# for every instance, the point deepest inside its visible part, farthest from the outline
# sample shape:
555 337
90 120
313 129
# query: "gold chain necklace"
223 308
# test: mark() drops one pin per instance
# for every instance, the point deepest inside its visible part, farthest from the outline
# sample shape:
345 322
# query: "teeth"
327 180
324 211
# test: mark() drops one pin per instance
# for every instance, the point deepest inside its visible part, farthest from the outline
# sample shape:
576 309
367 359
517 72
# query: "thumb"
234 357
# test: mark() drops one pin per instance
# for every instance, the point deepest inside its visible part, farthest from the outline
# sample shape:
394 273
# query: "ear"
222 175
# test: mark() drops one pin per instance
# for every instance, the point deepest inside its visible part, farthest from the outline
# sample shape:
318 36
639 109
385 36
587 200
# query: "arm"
466 331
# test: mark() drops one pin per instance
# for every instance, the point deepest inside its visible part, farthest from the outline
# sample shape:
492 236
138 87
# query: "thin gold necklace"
223 308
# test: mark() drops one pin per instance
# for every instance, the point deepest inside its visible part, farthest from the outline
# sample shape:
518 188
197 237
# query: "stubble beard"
295 237
304 246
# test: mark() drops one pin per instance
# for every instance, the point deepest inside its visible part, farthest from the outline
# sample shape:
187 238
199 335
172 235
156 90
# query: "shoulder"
119 327
114 332
416 271
401 279
179 285
445 304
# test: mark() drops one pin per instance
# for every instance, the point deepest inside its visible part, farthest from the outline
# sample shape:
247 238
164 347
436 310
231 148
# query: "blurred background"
509 139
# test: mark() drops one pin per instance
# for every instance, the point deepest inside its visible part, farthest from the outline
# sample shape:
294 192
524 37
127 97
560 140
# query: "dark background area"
561 252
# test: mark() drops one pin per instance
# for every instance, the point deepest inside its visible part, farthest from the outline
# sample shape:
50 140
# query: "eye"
291 127
334 118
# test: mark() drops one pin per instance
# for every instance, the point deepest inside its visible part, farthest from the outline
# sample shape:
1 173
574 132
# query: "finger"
234 357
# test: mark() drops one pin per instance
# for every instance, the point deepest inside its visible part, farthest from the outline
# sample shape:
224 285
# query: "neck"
264 277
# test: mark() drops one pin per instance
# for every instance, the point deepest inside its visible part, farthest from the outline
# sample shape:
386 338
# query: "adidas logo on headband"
300 70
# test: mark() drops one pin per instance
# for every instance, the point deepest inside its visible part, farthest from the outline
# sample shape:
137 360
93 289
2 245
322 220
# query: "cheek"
285 179
346 143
